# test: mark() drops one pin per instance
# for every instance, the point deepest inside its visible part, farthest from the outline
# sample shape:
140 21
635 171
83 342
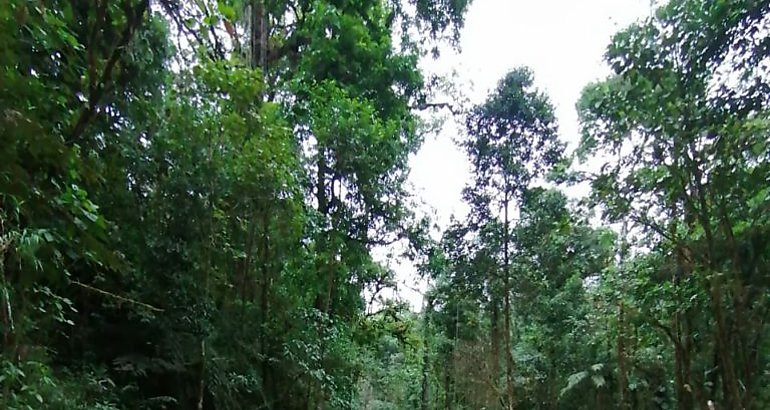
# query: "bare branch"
116 297
440 105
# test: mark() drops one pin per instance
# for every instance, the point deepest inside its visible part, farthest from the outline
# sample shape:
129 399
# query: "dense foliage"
190 191
191 194
666 307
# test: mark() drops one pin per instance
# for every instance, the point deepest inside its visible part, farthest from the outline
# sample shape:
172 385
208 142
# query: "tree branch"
171 11
439 105
116 297
95 97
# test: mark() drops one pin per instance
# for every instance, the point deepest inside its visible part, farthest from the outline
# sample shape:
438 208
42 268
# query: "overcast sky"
562 41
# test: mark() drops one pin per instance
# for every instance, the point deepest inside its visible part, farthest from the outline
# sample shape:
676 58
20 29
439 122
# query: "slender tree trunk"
509 388
723 334
263 40
553 395
448 385
246 264
599 399
687 389
265 305
323 210
424 390
682 396
740 331
322 302
508 353
258 34
724 349
207 274
621 339
8 331
680 367
202 381
495 342
622 362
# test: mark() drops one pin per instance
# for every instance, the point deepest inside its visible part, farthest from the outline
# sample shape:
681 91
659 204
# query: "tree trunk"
621 339
553 391
322 302
323 210
495 342
508 354
448 386
622 363
509 390
724 350
723 334
680 370
258 34
202 381
265 304
424 393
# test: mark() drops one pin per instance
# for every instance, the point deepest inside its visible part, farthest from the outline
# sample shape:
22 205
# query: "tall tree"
511 140
686 116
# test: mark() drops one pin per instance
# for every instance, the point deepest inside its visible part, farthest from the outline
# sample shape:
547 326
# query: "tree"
685 114
511 141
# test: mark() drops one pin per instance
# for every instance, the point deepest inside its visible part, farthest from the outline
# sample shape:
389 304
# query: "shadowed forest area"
192 192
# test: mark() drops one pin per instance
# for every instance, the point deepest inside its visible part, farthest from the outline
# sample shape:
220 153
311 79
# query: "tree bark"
495 342
202 381
322 302
509 388
258 34
724 351
265 304
621 339
448 386
622 362
424 389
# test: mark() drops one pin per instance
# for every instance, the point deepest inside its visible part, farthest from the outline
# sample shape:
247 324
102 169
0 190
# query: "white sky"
562 41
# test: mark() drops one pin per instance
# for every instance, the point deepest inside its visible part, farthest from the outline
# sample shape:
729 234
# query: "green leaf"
227 10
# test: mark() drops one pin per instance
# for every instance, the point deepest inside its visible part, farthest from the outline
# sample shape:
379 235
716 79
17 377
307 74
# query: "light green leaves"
594 374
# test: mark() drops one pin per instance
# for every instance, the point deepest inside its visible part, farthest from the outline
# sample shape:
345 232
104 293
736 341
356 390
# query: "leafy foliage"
191 194
661 311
